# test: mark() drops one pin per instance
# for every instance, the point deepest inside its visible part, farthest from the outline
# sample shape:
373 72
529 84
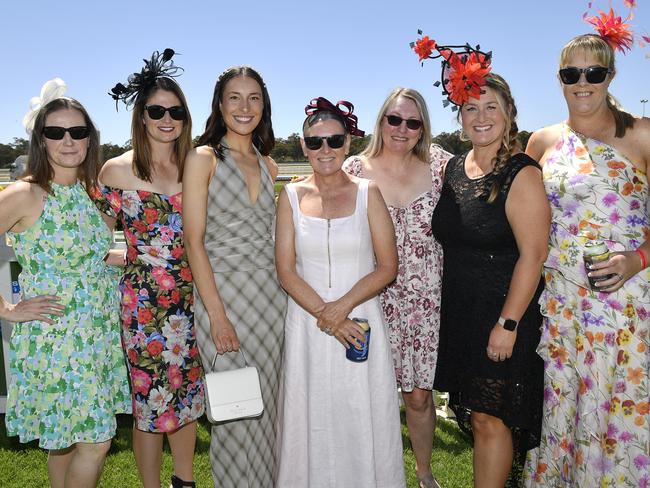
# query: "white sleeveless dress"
340 424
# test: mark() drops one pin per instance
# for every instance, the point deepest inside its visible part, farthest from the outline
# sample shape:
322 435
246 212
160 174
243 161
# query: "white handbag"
233 394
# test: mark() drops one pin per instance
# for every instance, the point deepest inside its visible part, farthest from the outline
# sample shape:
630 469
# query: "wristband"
642 256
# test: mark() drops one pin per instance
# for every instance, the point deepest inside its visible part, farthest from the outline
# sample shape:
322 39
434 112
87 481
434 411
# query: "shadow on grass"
121 442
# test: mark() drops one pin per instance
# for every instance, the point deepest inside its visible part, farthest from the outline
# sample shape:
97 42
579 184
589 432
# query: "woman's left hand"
332 314
500 343
622 265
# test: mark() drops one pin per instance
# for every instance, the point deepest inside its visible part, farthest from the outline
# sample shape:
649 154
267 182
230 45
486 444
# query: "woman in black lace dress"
492 220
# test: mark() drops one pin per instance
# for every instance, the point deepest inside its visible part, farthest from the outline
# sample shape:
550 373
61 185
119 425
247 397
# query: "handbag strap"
241 350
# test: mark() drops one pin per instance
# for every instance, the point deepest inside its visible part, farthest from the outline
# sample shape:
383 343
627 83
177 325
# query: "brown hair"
39 170
509 141
215 127
604 53
421 149
141 144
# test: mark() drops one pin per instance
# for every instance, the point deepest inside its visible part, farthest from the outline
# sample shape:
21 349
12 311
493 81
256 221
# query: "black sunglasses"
334 142
157 112
57 133
395 121
593 74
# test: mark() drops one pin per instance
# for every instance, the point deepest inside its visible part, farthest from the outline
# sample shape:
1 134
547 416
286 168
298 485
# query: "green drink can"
595 252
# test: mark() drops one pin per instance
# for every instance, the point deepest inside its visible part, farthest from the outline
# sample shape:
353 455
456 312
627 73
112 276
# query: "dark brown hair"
215 127
141 144
39 170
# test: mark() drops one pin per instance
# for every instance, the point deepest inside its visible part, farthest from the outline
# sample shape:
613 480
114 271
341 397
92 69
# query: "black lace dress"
480 253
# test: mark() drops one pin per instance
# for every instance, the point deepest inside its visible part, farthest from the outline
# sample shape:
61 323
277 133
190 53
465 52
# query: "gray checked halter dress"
240 246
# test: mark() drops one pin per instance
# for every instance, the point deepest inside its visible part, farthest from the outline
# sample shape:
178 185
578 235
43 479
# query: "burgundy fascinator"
342 108
464 69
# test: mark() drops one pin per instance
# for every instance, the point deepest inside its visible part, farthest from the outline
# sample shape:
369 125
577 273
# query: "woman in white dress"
335 251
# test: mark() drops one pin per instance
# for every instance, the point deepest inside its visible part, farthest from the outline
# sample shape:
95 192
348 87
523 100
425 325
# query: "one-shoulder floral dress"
595 345
68 379
157 309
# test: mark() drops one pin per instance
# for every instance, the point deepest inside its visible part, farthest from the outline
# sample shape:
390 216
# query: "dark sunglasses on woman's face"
334 142
395 121
57 133
593 74
157 112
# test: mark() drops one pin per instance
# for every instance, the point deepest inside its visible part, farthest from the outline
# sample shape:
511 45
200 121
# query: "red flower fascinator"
464 69
343 109
613 29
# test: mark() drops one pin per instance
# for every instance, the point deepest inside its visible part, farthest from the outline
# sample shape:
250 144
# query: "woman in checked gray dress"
228 213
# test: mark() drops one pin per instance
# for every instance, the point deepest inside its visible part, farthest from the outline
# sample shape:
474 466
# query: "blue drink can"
15 292
360 354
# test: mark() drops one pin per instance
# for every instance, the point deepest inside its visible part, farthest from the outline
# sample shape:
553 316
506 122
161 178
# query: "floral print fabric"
68 379
411 304
595 430
157 309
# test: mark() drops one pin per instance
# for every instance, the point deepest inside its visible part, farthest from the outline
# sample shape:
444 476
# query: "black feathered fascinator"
159 66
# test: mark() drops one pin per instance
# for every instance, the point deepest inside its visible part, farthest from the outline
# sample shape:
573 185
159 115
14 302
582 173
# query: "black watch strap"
508 324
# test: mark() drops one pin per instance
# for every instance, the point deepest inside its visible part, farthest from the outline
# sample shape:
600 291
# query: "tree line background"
285 150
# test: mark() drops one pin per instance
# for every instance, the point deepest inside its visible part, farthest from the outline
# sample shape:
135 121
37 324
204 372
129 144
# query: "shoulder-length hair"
421 149
142 146
39 170
215 127
603 52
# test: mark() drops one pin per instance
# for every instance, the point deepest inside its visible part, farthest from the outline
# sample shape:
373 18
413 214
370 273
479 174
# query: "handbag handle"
241 350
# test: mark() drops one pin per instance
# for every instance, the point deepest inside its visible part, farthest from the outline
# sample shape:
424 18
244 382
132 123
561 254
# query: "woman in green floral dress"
67 367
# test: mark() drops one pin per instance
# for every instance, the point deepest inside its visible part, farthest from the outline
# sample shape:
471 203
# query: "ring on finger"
619 276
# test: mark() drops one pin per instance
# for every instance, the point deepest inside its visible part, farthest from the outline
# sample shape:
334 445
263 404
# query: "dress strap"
362 195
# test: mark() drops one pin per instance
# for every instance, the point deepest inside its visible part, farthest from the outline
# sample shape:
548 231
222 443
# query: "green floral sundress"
69 379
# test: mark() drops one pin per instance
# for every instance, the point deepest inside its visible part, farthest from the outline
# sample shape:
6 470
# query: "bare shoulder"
201 162
374 194
20 205
21 193
118 171
541 140
641 135
272 166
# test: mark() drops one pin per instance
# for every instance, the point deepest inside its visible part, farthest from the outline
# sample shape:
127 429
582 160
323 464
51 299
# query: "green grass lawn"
24 466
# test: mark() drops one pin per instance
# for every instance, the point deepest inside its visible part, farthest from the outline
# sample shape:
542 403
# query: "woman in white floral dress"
595 341
407 168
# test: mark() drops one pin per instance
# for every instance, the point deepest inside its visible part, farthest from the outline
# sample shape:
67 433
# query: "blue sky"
354 50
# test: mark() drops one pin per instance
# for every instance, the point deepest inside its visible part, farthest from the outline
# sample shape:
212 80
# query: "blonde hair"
421 149
603 52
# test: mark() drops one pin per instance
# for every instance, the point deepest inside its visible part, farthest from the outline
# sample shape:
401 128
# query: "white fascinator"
51 90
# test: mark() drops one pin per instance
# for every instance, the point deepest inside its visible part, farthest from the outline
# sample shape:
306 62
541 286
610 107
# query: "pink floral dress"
411 304
157 309
595 345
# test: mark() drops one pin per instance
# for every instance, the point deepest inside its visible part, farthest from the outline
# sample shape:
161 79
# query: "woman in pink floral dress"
595 342
142 188
407 168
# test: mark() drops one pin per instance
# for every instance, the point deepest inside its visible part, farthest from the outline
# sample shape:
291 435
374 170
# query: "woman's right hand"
348 333
224 336
37 308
